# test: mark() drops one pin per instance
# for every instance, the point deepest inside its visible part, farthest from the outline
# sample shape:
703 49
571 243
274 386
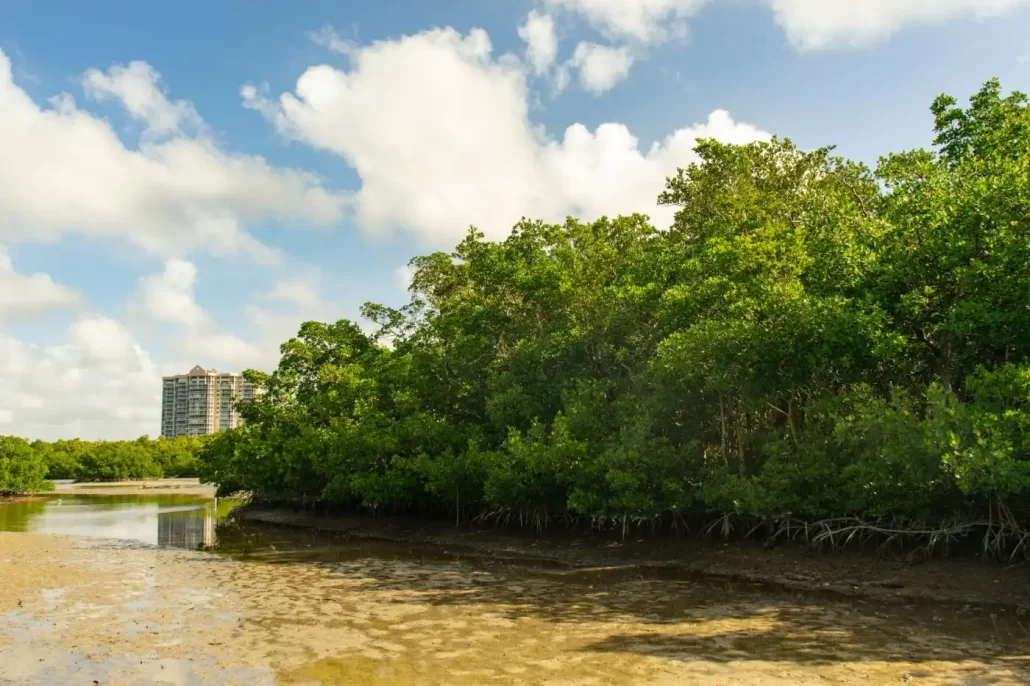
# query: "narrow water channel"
116 589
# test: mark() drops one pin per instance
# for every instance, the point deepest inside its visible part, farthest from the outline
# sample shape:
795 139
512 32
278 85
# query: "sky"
186 183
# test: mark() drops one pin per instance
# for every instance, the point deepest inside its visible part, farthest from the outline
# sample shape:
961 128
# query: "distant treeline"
26 466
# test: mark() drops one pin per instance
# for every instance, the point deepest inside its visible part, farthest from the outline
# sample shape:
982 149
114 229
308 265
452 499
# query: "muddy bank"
953 580
88 610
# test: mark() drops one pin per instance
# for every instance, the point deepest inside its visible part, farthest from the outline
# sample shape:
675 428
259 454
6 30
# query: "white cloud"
601 67
97 384
541 41
168 295
404 275
604 171
223 350
64 170
102 340
198 338
30 294
644 21
300 301
814 24
431 119
328 38
136 86
560 80
809 24
300 290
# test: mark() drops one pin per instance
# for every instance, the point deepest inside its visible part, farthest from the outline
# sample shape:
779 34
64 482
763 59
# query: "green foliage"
21 468
810 338
986 442
118 460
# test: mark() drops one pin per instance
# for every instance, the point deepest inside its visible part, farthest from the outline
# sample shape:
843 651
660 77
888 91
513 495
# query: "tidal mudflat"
269 605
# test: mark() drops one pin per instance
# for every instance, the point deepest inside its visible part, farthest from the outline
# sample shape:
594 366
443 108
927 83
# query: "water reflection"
178 521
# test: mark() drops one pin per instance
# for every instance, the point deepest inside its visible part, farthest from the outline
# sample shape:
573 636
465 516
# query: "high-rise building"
202 401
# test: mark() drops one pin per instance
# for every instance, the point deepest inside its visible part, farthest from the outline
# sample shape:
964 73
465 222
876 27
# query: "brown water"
280 606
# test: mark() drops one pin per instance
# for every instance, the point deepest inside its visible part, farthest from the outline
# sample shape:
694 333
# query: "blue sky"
209 221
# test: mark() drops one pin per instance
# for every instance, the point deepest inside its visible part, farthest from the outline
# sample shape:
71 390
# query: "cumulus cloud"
168 296
136 87
601 67
560 80
29 294
404 275
301 290
643 21
102 341
292 301
541 41
814 24
329 39
98 383
809 24
64 170
196 337
440 135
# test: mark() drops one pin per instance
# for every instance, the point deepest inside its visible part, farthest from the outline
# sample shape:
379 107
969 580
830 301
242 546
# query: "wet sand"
89 609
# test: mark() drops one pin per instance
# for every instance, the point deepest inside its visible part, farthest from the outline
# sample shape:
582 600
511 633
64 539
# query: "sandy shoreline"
951 580
151 487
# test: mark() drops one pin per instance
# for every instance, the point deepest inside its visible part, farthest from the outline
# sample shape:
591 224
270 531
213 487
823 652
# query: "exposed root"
1000 540
723 523
1002 535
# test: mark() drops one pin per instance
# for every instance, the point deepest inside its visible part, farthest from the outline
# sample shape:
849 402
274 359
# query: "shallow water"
273 605
180 521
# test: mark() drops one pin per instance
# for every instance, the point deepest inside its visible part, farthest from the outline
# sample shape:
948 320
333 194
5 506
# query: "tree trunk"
740 444
792 423
722 418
